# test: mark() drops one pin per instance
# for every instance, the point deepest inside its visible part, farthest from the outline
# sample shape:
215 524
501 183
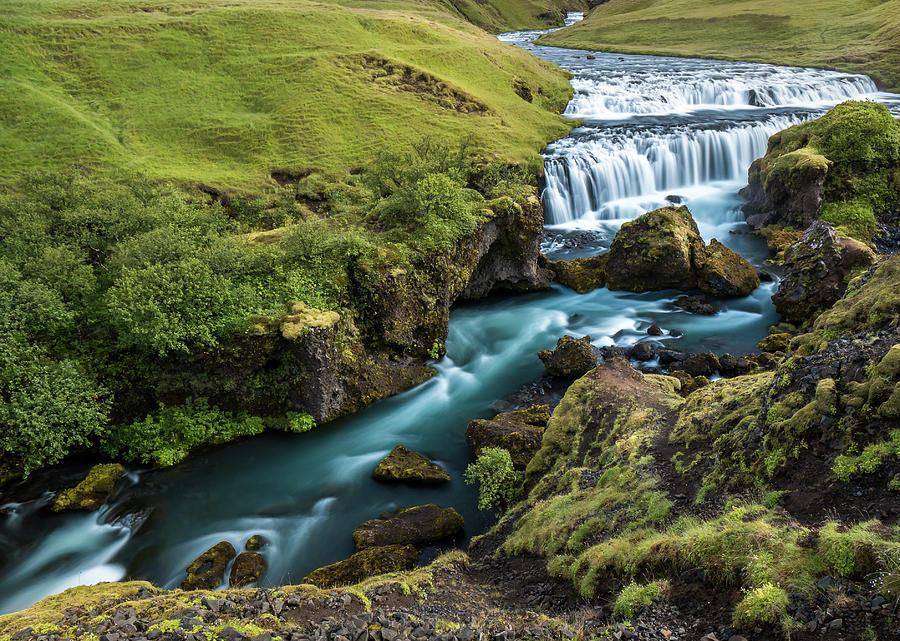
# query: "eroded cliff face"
330 364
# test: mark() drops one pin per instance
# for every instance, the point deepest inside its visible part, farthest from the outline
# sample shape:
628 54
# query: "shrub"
765 605
166 437
498 482
299 423
634 597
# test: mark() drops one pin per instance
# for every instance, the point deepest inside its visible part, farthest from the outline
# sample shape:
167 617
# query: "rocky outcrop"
330 363
518 432
207 570
413 525
663 250
581 274
256 542
92 492
365 563
775 342
247 568
818 268
409 467
571 358
839 168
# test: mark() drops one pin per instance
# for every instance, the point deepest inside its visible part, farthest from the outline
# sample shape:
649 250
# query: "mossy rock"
572 357
581 274
206 571
409 467
518 432
705 364
775 343
365 563
655 251
818 269
722 272
247 568
256 542
421 524
92 492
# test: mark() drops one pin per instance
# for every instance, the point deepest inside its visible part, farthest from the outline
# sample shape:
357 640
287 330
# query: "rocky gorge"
666 491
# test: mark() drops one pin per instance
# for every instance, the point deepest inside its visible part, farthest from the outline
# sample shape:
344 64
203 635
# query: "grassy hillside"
227 91
849 35
513 15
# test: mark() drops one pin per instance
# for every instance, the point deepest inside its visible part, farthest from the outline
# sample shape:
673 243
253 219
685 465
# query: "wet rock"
208 569
421 524
369 562
519 432
581 274
410 467
655 330
256 542
730 365
663 250
817 271
723 273
775 343
655 251
697 304
705 364
572 357
643 351
92 492
248 567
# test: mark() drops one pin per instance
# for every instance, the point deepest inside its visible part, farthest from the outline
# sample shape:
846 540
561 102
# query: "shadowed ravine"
655 128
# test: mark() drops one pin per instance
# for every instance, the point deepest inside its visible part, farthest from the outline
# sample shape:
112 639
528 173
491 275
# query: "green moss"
92 491
854 219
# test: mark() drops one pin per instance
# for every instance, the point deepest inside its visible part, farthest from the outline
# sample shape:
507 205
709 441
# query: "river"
655 130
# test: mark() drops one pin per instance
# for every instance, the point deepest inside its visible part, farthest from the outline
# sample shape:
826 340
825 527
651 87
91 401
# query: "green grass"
225 92
861 36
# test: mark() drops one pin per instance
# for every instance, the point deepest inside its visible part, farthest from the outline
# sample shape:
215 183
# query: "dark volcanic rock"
207 570
817 271
723 273
697 304
256 542
572 357
421 524
519 432
247 568
363 564
403 465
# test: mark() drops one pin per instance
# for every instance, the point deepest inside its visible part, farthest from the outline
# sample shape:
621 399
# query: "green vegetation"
107 282
497 480
858 36
765 605
232 93
634 597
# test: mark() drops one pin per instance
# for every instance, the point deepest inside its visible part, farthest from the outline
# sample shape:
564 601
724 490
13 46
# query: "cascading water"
699 125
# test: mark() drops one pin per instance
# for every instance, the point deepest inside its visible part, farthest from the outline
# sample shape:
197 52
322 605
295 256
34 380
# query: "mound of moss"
843 168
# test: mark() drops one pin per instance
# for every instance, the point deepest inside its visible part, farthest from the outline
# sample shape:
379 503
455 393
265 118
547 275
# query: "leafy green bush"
166 437
497 480
298 422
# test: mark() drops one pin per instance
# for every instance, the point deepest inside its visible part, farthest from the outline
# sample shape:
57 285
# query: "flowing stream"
656 130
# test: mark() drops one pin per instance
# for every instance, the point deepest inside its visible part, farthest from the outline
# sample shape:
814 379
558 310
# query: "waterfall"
585 176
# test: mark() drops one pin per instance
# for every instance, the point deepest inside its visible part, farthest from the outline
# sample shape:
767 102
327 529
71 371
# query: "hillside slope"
226 92
861 36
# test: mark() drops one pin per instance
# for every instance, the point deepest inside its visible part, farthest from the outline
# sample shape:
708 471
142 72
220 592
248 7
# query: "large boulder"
581 274
572 357
655 251
92 492
403 465
421 524
365 563
518 432
246 569
817 270
723 273
206 571
663 250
